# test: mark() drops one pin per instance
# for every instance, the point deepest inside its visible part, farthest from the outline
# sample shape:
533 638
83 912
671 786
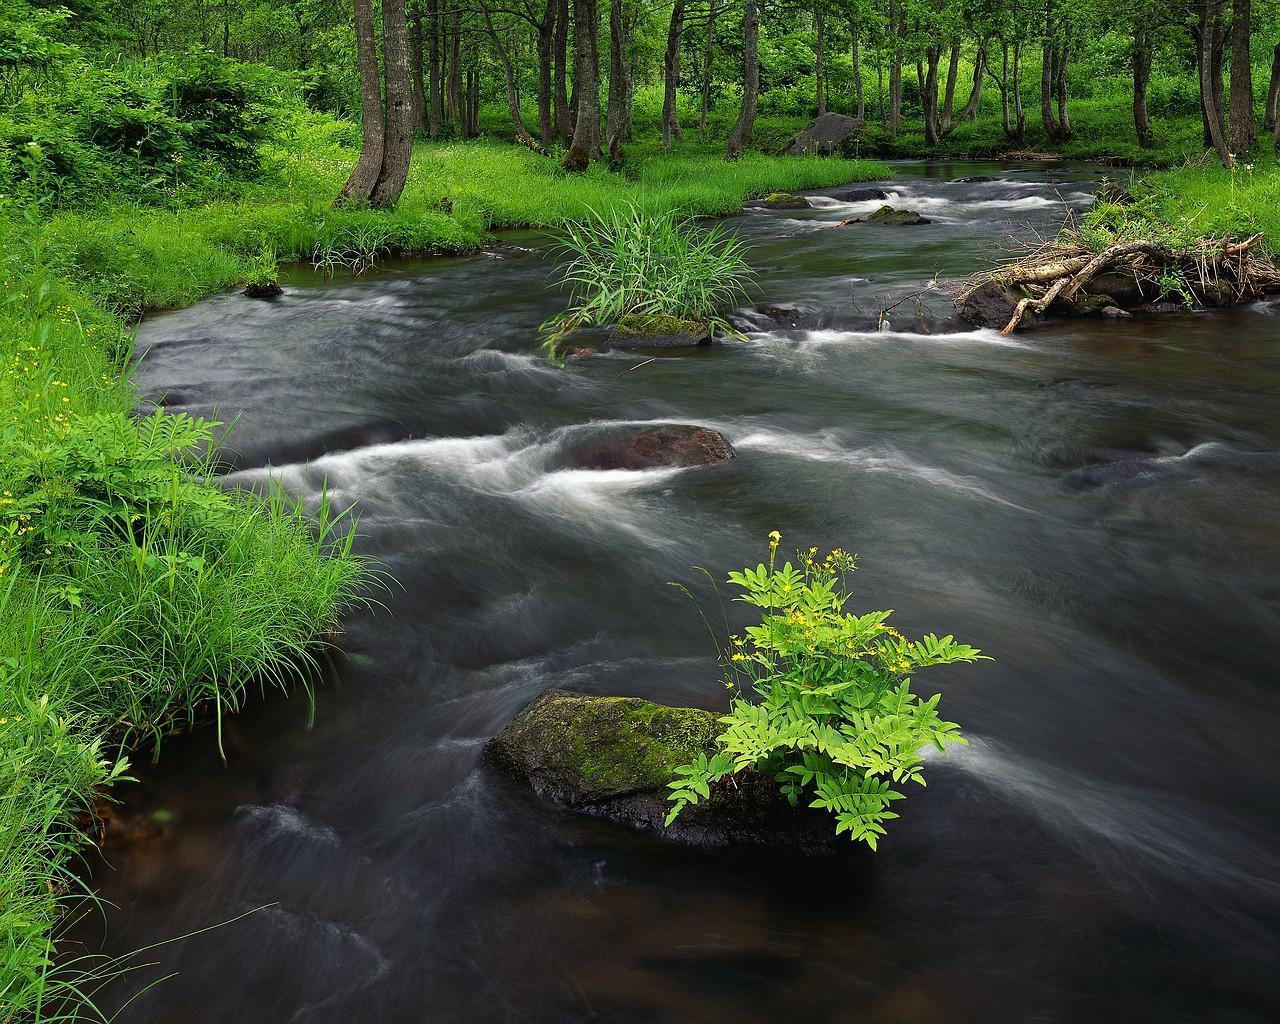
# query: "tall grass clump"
625 264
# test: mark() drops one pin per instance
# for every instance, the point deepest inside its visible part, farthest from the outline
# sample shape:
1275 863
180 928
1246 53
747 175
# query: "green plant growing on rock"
833 718
627 266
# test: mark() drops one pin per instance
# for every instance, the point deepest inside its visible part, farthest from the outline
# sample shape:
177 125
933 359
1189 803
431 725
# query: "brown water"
1094 504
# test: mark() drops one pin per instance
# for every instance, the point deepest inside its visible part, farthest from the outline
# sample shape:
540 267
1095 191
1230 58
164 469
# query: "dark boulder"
1125 290
678 445
659 332
269 290
888 215
826 135
976 179
991 304
613 756
784 201
862 195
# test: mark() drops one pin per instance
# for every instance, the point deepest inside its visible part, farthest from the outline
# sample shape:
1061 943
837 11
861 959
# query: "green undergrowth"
136 257
135 600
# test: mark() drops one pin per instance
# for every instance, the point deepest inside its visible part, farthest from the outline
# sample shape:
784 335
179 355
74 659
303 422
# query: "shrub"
627 262
835 712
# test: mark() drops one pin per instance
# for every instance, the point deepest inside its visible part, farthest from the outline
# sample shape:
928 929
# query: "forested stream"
1093 503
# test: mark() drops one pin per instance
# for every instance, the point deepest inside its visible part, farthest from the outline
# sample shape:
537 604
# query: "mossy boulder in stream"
677 445
612 757
659 332
784 201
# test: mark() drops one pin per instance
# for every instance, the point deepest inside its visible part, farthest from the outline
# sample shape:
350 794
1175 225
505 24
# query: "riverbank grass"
135 600
136 258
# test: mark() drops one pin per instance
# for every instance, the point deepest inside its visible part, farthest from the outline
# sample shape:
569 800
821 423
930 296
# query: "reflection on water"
1093 504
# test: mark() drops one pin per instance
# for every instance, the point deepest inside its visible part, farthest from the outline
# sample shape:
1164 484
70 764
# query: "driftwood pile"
1066 275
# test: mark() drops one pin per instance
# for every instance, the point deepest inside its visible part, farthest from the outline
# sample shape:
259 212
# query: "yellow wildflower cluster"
6 721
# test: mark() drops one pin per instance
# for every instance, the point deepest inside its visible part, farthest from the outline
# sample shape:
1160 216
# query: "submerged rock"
975 179
827 135
659 332
677 445
612 757
784 201
862 195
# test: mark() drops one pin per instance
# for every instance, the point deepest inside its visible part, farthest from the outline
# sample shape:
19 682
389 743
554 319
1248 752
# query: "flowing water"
1093 504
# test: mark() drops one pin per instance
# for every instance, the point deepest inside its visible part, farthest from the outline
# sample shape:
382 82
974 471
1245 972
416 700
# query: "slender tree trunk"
586 87
473 103
884 120
1064 119
859 99
1020 115
417 91
740 137
1210 15
364 177
949 96
1141 76
1241 130
397 149
564 116
1051 130
898 28
513 93
970 112
1273 92
1002 83
546 43
618 119
671 77
707 51
929 96
820 69
435 113
456 111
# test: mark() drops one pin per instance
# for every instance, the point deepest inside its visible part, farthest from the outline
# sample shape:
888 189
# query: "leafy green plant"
626 262
822 698
357 249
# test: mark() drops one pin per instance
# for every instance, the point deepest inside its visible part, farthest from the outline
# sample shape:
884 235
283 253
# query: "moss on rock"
614 756
785 201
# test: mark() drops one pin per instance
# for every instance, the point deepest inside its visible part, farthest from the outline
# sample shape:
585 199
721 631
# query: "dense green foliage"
822 698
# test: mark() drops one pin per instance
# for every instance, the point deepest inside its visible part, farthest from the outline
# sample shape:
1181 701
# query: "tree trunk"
819 70
740 137
671 77
546 43
397 149
929 96
859 99
1002 83
513 94
586 87
884 121
1051 130
473 103
1241 131
619 115
1208 31
418 93
563 114
364 177
1141 76
435 113
453 105
1064 120
1020 115
949 97
970 112
707 51
1273 92
898 28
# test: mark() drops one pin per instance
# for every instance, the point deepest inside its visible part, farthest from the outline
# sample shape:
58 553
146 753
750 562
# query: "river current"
1092 503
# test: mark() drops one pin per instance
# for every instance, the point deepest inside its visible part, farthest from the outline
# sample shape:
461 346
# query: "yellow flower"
775 536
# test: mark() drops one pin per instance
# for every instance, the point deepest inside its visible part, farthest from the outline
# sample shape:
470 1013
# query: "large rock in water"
677 445
826 136
613 756
991 304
